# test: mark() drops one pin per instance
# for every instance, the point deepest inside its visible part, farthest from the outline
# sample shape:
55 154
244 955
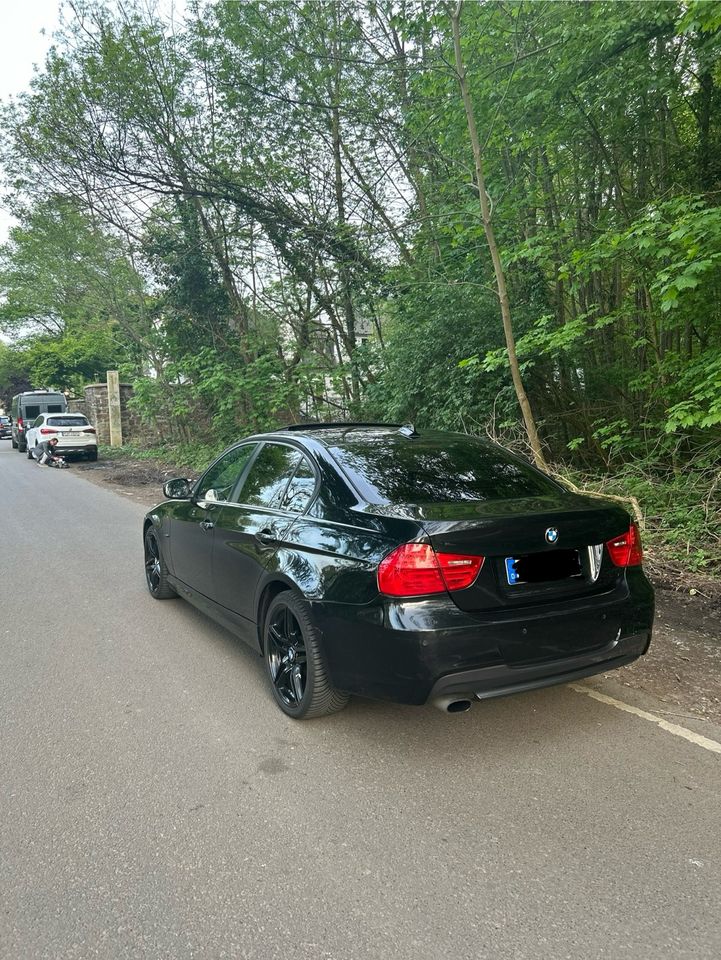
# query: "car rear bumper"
500 681
416 651
76 447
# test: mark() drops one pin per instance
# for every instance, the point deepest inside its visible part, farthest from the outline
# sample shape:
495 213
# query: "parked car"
27 407
402 565
74 433
6 428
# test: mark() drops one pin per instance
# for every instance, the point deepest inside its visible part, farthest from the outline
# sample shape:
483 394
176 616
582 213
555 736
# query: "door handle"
207 525
266 537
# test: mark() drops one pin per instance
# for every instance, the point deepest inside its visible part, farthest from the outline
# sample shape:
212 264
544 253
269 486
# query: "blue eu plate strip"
511 574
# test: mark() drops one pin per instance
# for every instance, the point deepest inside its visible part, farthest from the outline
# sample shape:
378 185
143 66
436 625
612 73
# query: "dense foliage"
272 209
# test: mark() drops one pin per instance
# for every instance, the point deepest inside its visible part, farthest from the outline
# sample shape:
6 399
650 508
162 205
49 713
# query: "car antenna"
408 430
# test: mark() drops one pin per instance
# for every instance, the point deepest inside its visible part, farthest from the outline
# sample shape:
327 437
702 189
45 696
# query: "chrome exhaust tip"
453 704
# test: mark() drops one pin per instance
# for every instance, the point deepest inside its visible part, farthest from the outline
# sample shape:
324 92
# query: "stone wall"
77 405
95 409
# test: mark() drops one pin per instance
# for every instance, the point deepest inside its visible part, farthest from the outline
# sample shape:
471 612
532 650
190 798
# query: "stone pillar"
116 425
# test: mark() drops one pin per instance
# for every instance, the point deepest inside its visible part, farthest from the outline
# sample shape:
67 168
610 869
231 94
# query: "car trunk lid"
543 556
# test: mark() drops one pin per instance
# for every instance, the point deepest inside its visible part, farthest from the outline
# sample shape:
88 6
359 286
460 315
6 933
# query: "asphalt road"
154 803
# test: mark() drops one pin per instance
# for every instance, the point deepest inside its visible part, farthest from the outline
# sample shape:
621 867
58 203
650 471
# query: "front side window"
268 478
300 489
38 421
218 482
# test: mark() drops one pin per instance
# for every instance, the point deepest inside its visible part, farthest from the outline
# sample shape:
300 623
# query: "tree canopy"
267 210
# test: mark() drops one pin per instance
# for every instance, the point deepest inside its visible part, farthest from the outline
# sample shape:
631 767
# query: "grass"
681 510
183 456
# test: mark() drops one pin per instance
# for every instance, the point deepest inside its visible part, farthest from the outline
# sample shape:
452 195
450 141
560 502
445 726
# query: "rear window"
31 405
387 468
67 422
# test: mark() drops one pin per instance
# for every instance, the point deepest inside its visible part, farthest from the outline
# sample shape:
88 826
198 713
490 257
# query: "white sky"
22 45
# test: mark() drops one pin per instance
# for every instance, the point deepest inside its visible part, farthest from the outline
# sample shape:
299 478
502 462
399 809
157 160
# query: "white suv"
73 430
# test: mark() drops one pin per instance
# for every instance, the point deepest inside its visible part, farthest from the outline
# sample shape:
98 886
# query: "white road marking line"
713 745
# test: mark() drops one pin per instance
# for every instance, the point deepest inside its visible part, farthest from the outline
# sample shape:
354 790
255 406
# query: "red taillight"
415 569
19 422
46 430
89 430
459 570
626 550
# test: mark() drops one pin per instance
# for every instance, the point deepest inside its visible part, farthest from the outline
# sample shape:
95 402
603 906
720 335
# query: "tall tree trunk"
344 272
705 99
501 286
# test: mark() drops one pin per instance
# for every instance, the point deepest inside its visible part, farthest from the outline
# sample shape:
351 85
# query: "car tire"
294 661
92 456
156 573
29 453
21 447
14 445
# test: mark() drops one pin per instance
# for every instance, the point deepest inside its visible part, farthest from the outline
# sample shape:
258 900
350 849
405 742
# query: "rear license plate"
543 567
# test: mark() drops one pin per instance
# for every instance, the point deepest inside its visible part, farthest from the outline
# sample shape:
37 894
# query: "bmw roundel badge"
551 534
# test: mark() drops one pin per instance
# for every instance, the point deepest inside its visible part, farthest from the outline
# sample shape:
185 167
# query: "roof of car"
339 425
349 433
335 434
39 393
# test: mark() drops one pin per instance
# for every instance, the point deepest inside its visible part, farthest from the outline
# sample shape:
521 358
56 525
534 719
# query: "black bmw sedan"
402 565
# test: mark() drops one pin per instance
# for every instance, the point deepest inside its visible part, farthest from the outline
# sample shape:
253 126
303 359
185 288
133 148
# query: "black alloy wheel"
156 574
287 657
299 680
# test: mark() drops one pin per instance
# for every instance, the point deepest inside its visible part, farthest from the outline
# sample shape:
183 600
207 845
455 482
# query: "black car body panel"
409 651
489 638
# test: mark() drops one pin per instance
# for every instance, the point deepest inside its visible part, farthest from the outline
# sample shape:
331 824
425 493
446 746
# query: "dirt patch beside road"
139 480
682 668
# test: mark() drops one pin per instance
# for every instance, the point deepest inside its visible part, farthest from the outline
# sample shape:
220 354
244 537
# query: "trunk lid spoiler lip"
468 515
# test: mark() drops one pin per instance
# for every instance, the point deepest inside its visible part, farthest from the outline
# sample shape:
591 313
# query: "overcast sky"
23 44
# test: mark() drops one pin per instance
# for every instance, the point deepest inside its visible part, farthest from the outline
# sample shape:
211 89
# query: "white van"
27 407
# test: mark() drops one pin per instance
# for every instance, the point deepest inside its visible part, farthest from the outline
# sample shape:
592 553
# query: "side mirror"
177 489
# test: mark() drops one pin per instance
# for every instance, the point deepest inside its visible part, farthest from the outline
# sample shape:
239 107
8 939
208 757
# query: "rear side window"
300 489
67 422
268 478
392 469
